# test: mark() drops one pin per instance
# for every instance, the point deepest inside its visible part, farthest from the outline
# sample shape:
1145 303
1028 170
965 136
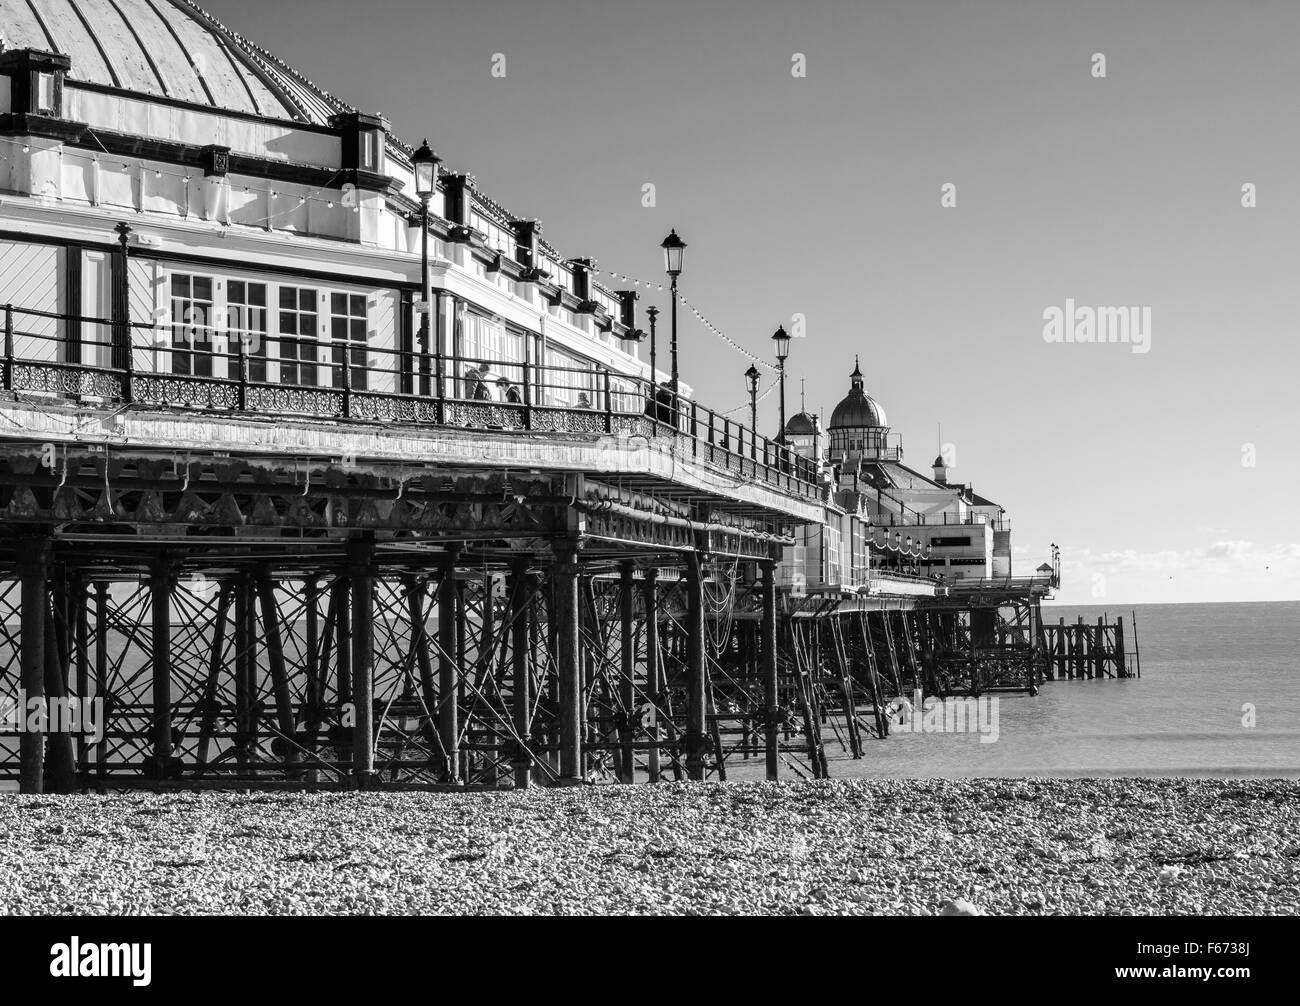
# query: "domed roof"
801 424
858 409
939 462
166 48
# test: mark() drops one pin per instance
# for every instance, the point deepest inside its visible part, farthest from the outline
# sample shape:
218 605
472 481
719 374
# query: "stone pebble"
837 847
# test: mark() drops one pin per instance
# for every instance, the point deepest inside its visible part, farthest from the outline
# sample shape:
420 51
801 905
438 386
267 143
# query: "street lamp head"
652 313
751 378
674 249
782 342
425 162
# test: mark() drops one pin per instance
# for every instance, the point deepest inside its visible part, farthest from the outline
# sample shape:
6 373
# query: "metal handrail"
943 519
217 367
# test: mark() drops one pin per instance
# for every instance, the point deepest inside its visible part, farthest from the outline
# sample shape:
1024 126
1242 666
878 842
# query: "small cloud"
1234 550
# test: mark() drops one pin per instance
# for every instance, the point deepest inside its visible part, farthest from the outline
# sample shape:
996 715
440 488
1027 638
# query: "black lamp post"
751 380
674 250
652 313
782 343
425 163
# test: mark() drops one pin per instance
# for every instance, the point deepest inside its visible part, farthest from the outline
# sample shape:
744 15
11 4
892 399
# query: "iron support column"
653 680
523 696
448 657
570 665
771 697
279 671
695 697
628 669
33 558
160 641
361 557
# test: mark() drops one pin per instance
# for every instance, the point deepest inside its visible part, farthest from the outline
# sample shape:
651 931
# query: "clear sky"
820 195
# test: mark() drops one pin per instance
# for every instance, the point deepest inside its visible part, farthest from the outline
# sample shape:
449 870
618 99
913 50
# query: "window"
191 325
489 353
45 97
568 382
495 236
624 395
961 542
348 337
297 335
369 152
246 311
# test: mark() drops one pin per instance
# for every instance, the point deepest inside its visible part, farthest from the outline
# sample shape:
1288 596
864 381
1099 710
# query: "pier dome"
857 410
801 424
167 49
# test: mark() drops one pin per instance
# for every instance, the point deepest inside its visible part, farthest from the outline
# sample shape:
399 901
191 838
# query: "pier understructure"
372 590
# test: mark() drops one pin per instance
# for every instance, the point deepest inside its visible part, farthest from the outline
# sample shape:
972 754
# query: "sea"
1219 696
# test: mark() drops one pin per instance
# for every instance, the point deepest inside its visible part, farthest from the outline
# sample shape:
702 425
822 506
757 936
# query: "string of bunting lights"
699 315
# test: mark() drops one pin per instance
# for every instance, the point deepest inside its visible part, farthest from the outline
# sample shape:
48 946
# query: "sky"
1165 475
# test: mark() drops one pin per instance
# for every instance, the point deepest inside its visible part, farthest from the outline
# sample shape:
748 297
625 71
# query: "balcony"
945 519
353 382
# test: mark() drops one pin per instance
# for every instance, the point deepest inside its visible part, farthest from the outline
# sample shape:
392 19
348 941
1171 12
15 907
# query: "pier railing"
1011 583
885 518
198 368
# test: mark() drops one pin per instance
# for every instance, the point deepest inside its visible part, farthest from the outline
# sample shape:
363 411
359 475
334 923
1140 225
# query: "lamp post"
425 163
751 380
674 250
652 313
782 342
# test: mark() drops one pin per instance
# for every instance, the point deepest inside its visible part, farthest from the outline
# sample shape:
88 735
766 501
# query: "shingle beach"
1023 846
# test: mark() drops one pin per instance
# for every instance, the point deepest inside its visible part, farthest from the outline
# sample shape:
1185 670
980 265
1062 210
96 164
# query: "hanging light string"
295 201
723 335
770 388
699 315
622 278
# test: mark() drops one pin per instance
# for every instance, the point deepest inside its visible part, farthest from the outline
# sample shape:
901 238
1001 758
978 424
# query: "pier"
319 468
1092 651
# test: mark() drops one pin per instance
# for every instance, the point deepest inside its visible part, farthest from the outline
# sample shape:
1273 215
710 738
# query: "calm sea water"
1201 664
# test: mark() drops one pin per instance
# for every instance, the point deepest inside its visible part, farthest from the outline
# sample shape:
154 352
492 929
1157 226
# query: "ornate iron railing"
232 373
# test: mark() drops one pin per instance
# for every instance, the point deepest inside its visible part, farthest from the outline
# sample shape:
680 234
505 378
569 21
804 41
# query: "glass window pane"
45 92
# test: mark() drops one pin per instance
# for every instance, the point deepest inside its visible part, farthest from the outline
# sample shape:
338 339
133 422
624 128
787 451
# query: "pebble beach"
839 847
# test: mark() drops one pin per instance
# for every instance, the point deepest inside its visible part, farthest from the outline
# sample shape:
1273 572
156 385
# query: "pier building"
319 467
